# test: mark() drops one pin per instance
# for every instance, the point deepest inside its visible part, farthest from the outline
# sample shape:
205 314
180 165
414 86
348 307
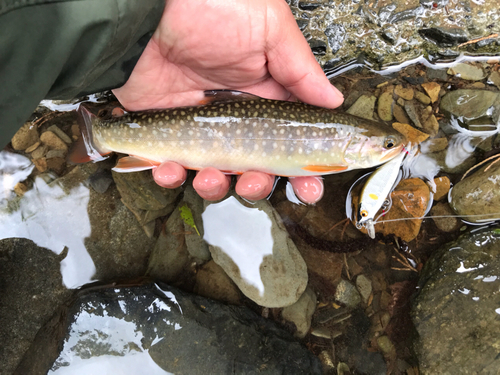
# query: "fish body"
238 132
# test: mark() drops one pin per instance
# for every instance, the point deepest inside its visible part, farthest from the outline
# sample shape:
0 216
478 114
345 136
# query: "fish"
237 132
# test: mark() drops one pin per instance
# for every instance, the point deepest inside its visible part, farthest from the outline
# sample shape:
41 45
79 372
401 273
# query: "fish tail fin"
85 149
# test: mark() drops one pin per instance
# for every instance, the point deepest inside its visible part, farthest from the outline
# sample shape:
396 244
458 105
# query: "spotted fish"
237 132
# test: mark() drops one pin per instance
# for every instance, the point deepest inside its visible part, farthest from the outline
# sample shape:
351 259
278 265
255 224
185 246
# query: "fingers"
308 189
292 63
254 185
169 175
211 184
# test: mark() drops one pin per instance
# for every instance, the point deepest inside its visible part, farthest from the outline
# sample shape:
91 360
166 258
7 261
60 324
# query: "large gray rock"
147 329
250 242
31 288
469 105
456 313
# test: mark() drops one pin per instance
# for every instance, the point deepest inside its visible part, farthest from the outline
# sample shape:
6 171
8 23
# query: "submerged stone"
457 308
253 247
477 197
157 328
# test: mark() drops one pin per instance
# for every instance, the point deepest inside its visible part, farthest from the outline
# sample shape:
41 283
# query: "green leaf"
187 217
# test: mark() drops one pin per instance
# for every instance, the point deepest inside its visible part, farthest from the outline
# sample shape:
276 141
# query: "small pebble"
412 135
40 164
20 189
25 137
57 131
432 89
400 114
39 152
384 106
405 93
446 224
422 98
443 185
467 72
32 147
494 79
53 141
412 114
431 126
435 145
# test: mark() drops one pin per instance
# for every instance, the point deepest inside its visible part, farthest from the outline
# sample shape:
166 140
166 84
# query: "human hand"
252 46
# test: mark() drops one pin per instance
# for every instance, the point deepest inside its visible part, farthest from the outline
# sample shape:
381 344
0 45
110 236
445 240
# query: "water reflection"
49 217
14 168
243 233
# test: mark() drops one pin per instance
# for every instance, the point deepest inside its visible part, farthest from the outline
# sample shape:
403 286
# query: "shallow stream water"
354 328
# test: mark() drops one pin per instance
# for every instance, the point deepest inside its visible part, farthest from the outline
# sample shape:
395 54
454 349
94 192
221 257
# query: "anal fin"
335 168
134 164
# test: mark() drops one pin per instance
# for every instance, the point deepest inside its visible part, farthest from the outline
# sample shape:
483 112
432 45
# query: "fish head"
375 145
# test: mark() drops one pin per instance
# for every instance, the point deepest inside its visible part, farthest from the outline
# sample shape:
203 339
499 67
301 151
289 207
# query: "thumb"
292 63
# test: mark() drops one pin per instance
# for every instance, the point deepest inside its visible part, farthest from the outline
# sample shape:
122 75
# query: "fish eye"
364 213
389 142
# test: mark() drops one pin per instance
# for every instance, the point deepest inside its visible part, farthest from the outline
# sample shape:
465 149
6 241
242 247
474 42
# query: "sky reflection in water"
243 234
47 216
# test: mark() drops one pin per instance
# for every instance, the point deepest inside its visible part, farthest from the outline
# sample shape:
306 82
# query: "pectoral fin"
334 168
134 164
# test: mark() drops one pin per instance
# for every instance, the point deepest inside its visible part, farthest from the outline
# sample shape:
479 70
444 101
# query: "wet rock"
456 310
301 312
411 111
431 126
443 185
25 137
57 131
347 294
364 286
446 224
469 104
432 89
20 189
139 190
386 346
53 141
444 36
40 164
117 243
101 180
146 199
324 268
157 327
335 34
196 246
422 98
410 199
405 93
268 269
434 145
400 114
33 147
384 107
31 289
467 72
56 164
478 194
39 152
363 107
212 282
436 74
494 79
411 134
169 255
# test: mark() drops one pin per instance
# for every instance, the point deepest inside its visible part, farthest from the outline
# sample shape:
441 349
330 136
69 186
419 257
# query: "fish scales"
281 138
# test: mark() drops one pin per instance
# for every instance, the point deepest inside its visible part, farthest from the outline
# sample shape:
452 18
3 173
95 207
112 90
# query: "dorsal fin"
222 96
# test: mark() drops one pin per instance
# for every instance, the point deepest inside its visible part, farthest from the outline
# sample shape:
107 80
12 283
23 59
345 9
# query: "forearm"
66 49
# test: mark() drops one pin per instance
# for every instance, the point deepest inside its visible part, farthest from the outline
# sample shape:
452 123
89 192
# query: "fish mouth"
392 153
